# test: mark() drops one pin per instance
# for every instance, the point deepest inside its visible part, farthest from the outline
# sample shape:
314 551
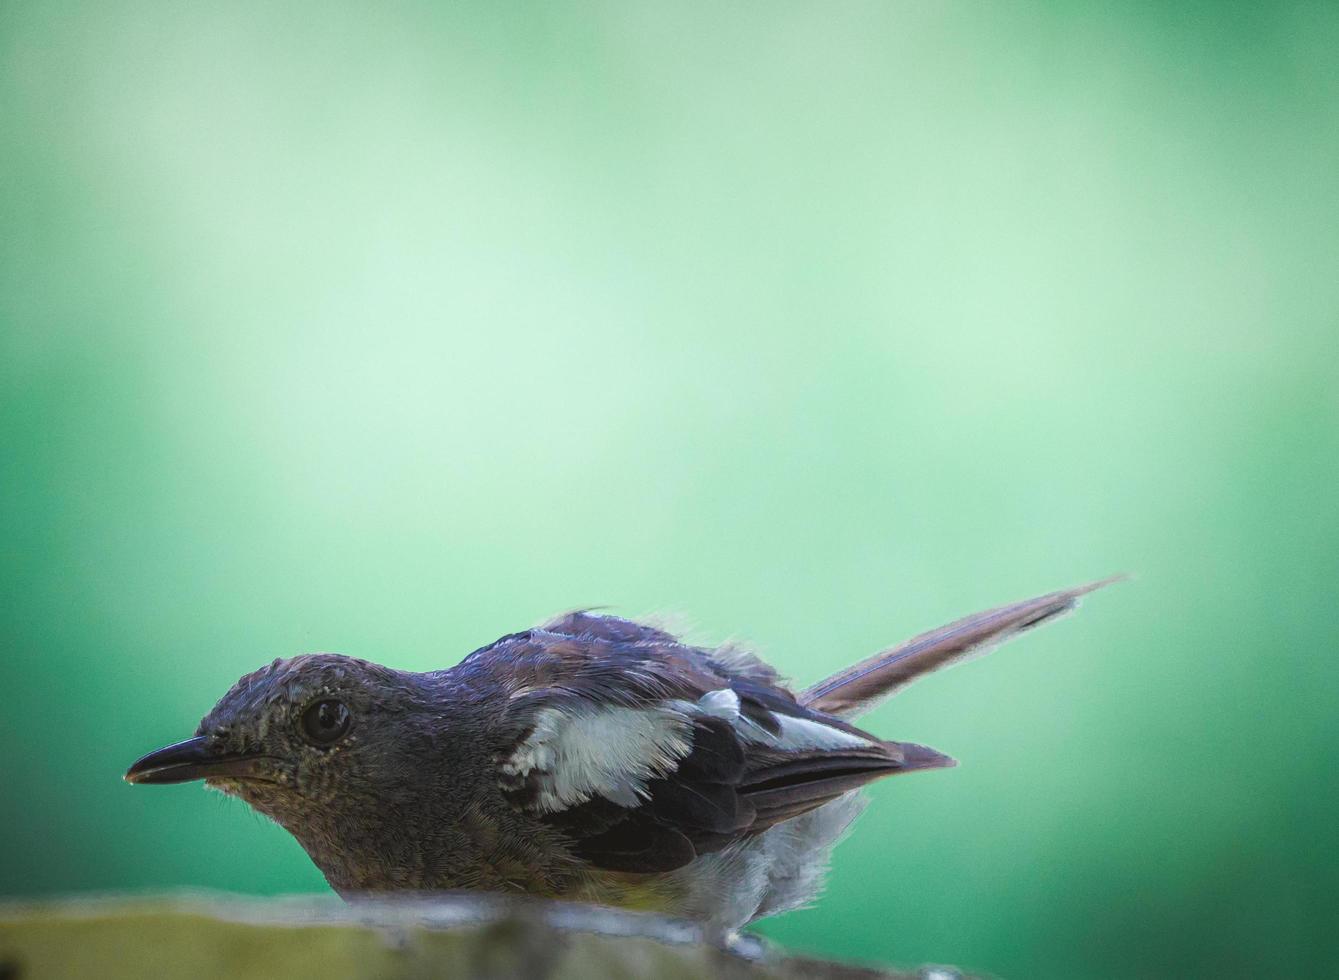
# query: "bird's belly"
780 869
661 893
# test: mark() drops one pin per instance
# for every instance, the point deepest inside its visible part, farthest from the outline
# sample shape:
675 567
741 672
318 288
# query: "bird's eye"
325 722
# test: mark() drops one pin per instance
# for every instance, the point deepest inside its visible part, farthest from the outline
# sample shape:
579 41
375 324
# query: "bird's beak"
193 759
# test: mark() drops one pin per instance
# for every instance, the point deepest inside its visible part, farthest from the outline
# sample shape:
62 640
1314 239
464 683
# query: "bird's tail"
859 688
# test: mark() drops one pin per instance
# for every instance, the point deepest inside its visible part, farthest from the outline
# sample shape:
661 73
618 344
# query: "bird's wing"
647 753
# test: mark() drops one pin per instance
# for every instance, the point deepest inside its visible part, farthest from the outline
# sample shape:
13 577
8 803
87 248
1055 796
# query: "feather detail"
573 754
647 754
860 687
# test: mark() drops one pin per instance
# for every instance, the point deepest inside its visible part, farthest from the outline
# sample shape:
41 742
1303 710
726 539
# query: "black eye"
324 722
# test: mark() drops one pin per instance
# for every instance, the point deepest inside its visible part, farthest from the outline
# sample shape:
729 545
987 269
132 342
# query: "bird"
594 758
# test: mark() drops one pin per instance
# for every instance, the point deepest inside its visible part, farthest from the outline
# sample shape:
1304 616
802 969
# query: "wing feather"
647 754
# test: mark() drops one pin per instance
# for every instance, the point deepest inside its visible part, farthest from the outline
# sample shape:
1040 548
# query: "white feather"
798 734
794 735
608 751
720 704
780 869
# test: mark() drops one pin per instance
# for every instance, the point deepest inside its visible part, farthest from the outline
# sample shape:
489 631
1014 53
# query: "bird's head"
368 767
319 730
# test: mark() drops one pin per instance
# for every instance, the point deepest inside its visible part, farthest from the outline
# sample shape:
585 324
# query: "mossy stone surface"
459 937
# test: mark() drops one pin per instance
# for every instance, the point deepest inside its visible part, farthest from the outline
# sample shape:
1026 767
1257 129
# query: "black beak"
192 759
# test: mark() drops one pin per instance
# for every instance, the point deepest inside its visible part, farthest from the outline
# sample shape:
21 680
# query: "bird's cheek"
316 779
287 777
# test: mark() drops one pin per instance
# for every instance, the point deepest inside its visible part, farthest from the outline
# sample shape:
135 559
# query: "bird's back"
687 780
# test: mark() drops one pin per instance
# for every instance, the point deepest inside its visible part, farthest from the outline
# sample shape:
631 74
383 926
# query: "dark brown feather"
730 785
714 794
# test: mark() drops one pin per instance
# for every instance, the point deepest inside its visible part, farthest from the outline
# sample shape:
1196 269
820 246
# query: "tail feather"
860 687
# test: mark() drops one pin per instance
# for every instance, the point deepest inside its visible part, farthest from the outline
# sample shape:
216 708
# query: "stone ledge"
450 935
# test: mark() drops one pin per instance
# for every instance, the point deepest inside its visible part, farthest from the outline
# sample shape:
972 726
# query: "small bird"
593 758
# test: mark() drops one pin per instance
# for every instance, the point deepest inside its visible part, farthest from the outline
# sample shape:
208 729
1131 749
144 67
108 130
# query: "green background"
388 329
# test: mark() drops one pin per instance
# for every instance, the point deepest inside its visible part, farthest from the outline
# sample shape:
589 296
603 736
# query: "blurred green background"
387 329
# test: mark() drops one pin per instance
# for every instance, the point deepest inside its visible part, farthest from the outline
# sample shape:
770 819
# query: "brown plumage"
590 758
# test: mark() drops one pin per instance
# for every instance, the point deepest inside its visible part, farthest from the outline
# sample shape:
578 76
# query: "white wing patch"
799 734
608 751
720 704
795 735
575 753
